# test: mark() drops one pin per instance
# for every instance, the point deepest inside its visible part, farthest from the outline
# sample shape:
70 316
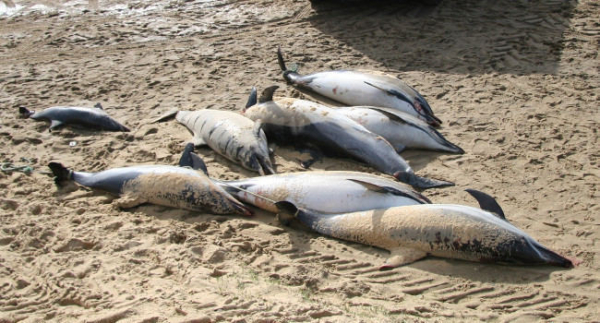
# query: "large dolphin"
401 129
230 134
293 120
172 186
442 230
60 116
354 88
324 191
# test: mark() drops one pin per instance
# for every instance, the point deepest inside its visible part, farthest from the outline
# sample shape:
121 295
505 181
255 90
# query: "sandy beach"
516 84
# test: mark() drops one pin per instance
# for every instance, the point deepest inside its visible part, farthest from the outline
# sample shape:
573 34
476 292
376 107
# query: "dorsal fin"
487 203
252 99
98 106
267 94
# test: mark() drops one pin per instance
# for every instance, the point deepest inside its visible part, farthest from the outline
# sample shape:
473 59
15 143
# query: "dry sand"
515 82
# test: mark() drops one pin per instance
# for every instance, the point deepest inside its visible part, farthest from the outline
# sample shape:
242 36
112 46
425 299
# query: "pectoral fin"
392 92
391 190
128 201
197 141
402 256
55 124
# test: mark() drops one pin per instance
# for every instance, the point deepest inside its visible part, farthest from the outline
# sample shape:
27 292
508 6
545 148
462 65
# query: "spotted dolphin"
293 120
356 88
442 230
60 116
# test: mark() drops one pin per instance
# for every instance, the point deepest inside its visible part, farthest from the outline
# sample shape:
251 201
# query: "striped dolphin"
230 134
442 230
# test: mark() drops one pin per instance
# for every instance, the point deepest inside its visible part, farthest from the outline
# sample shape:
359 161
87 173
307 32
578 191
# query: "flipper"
418 104
197 141
166 116
252 99
390 190
55 124
128 201
25 113
267 94
487 203
62 175
315 156
192 160
391 92
402 256
286 208
257 127
419 182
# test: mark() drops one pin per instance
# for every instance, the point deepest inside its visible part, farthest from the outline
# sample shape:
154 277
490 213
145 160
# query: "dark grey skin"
442 230
95 118
173 186
292 120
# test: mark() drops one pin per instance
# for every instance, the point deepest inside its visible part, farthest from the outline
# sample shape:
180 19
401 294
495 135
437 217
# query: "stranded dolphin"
173 186
442 230
370 88
324 191
94 117
401 129
230 134
294 120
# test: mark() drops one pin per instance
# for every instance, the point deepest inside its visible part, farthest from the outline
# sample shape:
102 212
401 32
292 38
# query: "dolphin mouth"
552 258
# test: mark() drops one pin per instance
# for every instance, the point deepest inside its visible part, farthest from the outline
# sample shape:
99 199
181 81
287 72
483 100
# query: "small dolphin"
173 186
401 129
442 230
95 117
370 88
230 134
293 120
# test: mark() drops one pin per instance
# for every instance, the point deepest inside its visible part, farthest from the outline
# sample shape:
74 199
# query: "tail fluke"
25 113
62 175
191 159
252 99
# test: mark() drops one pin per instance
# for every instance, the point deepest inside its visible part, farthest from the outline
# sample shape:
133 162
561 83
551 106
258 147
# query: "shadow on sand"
461 37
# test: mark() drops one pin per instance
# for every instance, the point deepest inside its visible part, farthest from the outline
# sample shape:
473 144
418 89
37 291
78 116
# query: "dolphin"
401 129
356 88
442 230
293 120
230 134
60 116
324 191
173 186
